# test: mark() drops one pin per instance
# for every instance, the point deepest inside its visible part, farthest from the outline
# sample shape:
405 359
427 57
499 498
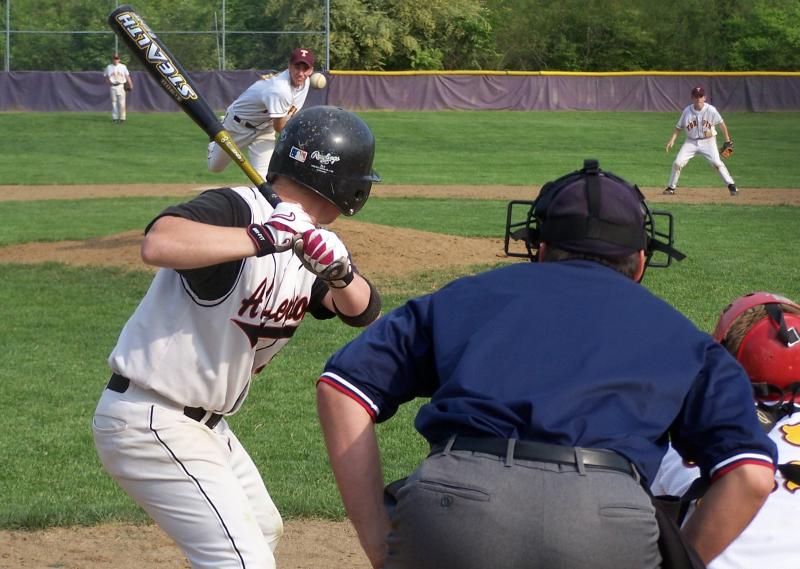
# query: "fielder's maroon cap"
302 55
698 92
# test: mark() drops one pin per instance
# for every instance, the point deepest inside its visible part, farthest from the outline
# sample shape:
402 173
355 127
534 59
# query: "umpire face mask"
594 213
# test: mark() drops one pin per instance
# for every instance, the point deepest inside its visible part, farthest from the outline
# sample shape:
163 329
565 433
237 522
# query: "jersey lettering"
255 299
289 313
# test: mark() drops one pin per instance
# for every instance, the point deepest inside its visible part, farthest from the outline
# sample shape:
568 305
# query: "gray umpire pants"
468 510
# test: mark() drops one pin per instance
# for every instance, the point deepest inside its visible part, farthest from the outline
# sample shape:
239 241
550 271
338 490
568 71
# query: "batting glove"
323 253
276 235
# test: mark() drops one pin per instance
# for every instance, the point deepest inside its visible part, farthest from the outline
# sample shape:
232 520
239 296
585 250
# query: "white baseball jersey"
699 124
269 98
202 353
771 538
117 74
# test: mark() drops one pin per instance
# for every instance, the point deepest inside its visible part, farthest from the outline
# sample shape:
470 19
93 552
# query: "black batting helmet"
328 150
591 212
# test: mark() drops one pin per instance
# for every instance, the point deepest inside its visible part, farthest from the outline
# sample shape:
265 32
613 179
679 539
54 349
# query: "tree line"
391 35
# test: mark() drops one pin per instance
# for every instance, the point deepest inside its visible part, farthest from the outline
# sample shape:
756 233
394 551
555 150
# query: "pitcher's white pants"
706 147
200 486
259 144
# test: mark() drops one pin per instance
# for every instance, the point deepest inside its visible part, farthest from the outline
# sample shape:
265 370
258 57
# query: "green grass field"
59 323
502 147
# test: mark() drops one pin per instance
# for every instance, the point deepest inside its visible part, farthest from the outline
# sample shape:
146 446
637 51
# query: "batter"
700 121
238 276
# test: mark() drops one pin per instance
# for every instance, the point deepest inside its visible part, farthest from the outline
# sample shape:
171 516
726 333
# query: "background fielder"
262 110
228 297
699 120
118 78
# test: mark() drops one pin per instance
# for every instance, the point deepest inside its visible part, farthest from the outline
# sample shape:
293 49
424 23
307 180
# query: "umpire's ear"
540 252
640 269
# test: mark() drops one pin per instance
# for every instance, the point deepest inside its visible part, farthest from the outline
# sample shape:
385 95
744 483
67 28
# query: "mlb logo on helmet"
297 154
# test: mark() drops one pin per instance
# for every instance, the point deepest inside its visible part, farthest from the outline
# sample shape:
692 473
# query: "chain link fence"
33 41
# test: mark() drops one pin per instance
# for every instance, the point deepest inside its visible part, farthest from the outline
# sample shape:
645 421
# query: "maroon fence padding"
87 91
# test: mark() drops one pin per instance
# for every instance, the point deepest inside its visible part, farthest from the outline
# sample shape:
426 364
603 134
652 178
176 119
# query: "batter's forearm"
178 243
353 299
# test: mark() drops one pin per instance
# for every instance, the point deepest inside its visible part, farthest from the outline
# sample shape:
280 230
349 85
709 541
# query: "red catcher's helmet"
770 350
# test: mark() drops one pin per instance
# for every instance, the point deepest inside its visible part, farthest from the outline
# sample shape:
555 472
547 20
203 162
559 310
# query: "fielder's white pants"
200 486
259 143
118 102
706 147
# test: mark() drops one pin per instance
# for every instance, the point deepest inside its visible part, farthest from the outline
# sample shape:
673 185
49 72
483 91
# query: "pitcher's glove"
727 149
323 253
128 88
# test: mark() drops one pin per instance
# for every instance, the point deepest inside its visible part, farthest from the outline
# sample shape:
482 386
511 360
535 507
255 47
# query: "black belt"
245 123
120 384
531 450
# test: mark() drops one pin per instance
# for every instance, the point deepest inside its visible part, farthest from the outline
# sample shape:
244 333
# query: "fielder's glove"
323 253
127 87
727 149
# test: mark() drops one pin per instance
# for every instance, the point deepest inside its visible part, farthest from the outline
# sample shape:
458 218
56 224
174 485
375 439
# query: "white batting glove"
277 233
323 253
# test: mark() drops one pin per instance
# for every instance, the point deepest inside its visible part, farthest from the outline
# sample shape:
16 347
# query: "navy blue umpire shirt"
570 353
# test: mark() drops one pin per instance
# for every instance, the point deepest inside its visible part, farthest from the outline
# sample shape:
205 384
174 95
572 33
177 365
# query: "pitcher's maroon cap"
302 55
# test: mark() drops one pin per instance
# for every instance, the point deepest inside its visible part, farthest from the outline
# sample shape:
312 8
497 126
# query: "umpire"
554 387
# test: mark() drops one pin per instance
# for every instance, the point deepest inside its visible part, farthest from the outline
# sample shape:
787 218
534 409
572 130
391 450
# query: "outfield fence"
428 91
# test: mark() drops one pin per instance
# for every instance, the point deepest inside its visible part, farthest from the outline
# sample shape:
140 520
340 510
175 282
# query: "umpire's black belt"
544 452
120 384
245 123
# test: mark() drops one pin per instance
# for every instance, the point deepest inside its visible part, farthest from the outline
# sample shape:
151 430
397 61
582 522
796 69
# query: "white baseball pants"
706 147
118 102
199 485
259 143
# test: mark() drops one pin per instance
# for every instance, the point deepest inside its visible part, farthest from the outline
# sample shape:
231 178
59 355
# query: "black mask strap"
788 336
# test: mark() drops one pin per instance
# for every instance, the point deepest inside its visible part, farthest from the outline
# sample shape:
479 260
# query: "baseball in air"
318 80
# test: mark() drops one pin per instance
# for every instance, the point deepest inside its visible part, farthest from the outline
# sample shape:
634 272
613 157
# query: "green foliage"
764 36
569 35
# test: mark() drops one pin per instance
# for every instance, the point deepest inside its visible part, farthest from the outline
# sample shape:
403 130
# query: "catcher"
700 121
761 331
